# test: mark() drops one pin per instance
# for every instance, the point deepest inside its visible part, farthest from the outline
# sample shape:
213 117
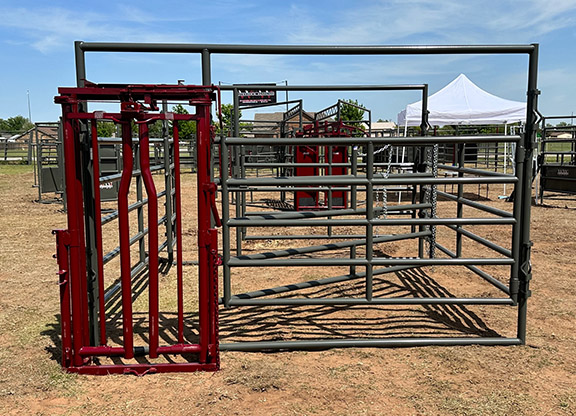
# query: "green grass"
15 169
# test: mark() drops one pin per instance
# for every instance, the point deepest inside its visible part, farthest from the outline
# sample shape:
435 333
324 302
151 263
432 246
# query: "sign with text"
259 96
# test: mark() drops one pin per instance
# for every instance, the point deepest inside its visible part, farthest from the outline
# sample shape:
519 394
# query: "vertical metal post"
152 236
179 247
77 271
168 181
124 228
369 217
140 209
237 172
225 226
98 233
204 225
529 142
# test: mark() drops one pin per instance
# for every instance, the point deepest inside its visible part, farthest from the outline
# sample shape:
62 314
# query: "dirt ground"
536 379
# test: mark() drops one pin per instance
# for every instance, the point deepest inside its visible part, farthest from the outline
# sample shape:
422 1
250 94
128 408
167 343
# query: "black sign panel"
260 96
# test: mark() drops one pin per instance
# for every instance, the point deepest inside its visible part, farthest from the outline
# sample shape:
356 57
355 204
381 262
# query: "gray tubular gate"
421 217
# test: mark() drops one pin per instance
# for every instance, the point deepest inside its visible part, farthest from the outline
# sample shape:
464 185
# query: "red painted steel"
62 244
138 105
152 237
124 228
310 200
178 211
77 271
98 230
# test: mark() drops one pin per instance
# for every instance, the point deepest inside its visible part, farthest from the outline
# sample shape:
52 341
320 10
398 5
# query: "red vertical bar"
214 260
75 226
204 215
178 211
124 229
152 237
98 226
63 281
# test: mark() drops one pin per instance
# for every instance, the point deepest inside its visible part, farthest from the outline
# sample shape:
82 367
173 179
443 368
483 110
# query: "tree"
17 124
352 113
106 129
227 119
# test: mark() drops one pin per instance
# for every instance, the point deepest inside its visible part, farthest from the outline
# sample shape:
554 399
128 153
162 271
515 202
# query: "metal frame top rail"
400 141
303 49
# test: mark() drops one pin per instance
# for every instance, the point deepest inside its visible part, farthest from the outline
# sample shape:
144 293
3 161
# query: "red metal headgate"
80 253
333 155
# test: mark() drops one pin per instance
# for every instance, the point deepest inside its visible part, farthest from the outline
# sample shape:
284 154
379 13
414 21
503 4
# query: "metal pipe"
481 240
333 213
364 343
304 49
110 217
152 239
179 246
317 282
373 301
525 267
351 180
98 232
124 227
236 262
490 279
363 222
331 246
464 201
363 141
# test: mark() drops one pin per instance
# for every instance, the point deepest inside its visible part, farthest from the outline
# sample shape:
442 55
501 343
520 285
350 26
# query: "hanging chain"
382 192
431 196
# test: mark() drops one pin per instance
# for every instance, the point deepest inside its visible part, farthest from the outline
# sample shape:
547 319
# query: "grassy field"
536 379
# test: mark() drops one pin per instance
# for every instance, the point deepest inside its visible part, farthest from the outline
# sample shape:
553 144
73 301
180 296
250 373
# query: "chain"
431 196
382 192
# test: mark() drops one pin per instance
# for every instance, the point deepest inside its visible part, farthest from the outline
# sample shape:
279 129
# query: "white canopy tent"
463 102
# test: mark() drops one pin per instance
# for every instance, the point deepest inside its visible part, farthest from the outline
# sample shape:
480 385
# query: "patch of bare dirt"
536 379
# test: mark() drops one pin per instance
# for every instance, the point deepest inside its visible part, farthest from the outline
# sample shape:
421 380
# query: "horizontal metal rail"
487 243
304 49
116 251
364 343
315 283
473 171
136 172
477 205
402 179
331 246
392 261
334 212
490 279
363 141
132 207
373 301
364 221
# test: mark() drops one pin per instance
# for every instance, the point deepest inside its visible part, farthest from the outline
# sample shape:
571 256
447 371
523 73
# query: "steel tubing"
362 221
365 302
364 343
152 238
124 227
98 231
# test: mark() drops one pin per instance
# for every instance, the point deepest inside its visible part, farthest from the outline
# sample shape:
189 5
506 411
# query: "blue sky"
36 44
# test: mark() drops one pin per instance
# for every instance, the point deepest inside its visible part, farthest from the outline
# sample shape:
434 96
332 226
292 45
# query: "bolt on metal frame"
519 253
